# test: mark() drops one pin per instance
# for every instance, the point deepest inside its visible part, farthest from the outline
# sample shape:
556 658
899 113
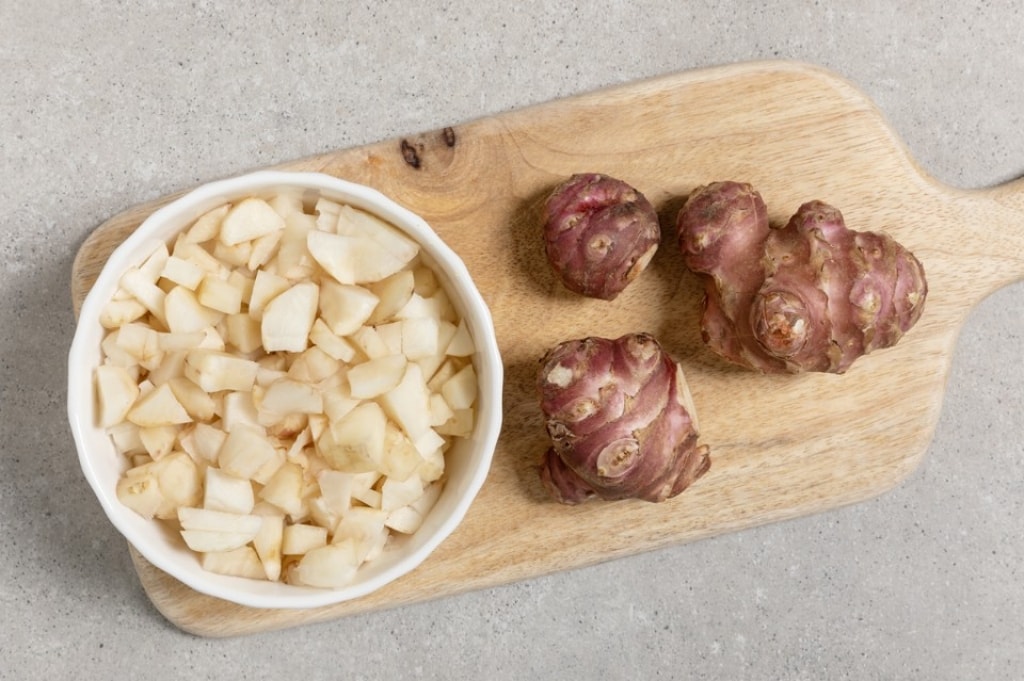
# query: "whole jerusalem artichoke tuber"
599 234
810 296
621 421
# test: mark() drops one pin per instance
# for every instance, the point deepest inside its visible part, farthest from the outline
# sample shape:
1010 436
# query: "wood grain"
781 446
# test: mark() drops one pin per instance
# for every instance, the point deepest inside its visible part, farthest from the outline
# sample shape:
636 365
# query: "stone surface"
105 105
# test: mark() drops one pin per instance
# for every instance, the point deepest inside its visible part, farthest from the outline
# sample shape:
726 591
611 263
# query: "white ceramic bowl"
468 461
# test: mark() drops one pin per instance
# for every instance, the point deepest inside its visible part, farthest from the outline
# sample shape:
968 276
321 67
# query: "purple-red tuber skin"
620 419
812 295
599 234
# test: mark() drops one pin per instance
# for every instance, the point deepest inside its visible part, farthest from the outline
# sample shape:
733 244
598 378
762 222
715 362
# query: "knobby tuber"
812 295
599 234
621 421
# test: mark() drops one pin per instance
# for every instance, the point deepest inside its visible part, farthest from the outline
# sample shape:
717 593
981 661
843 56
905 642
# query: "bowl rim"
489 367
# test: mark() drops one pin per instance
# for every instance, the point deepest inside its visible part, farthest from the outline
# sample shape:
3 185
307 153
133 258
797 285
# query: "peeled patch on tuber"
621 421
812 295
599 234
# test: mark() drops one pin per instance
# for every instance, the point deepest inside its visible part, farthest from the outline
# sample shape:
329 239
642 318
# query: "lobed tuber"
812 295
599 234
621 421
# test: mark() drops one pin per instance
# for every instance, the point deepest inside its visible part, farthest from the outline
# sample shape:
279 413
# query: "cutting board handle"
984 239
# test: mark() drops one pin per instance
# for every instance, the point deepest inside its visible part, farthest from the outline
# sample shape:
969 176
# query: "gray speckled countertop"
105 105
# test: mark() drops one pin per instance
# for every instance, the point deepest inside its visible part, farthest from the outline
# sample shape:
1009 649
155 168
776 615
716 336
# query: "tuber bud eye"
618 457
780 323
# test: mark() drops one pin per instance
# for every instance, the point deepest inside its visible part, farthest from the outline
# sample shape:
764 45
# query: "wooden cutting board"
781 446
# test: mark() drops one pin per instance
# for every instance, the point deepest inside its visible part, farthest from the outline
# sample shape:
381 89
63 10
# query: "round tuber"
621 421
599 234
812 295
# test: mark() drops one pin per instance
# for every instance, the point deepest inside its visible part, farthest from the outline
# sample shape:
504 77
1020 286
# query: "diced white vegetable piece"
404 519
427 500
296 452
355 444
301 538
159 441
461 344
241 562
263 249
159 407
398 493
139 490
313 366
426 283
353 259
364 527
428 443
265 288
224 492
401 458
433 466
172 365
244 282
391 335
460 390
116 356
214 371
419 337
154 263
196 401
368 341
460 424
336 490
322 337
117 313
327 214
249 219
440 412
243 333
218 294
267 470
393 293
139 340
192 518
287 395
245 451
284 489
145 291
408 403
447 369
370 497
207 225
233 256
345 307
376 376
183 272
237 408
185 314
116 392
175 342
205 541
329 566
431 363
199 256
338 402
388 238
207 441
125 436
293 260
267 543
286 203
288 318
